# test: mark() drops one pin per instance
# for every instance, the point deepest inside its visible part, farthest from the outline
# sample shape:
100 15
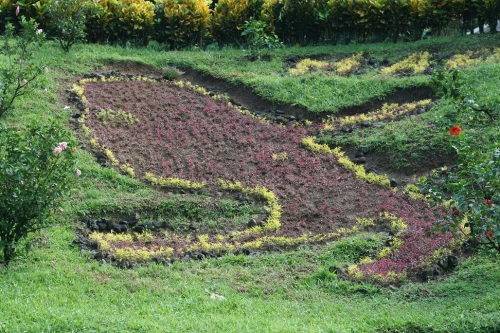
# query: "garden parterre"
182 133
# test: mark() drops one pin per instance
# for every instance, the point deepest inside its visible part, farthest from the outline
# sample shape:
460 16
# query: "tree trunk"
8 254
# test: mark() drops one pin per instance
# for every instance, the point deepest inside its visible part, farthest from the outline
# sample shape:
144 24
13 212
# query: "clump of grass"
171 73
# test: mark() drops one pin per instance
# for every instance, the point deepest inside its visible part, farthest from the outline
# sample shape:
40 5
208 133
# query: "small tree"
67 21
21 71
36 169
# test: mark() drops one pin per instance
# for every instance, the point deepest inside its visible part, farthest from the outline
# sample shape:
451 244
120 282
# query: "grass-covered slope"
57 288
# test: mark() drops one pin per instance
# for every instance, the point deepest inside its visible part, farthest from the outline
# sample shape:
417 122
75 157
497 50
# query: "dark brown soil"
246 98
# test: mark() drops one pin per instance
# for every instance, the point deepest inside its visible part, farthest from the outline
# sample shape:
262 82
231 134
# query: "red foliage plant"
185 134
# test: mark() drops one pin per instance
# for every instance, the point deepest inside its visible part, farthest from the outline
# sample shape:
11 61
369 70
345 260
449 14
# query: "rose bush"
36 169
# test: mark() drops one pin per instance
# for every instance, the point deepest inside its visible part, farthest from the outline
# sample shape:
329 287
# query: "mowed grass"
56 287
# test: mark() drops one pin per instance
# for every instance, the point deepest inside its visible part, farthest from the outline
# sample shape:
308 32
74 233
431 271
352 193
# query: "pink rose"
18 10
57 150
63 145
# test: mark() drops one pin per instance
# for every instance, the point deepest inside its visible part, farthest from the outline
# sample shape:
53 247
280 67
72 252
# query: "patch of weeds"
171 73
331 283
353 249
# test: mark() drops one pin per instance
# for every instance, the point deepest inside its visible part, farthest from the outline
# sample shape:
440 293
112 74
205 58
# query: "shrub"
431 14
67 21
97 20
472 189
295 21
258 41
36 169
30 9
182 23
21 72
228 20
122 20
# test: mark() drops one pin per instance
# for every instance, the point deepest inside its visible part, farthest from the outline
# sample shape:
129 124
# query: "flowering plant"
36 167
21 71
472 190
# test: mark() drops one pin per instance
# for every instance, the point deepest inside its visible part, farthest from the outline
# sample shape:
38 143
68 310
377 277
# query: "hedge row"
181 23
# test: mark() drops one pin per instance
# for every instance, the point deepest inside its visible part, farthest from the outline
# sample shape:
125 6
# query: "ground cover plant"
208 142
58 287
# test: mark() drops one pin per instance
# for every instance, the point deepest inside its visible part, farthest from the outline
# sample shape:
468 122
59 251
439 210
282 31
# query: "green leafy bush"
296 21
21 71
121 20
182 23
472 188
97 19
258 41
228 20
36 168
67 21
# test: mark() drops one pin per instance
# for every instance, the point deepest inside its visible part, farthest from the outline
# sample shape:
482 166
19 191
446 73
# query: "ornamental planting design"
174 135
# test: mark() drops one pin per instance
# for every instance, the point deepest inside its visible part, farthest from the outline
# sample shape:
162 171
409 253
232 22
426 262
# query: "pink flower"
18 10
63 145
78 172
73 149
39 31
57 150
24 81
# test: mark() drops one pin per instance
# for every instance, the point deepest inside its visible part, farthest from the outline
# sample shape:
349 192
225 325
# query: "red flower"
456 212
489 233
455 130
488 202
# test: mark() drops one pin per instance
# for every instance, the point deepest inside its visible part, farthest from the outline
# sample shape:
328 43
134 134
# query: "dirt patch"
131 67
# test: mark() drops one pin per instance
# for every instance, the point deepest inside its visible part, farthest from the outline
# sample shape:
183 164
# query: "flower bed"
181 136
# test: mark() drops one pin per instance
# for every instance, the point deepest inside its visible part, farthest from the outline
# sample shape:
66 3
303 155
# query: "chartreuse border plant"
359 170
342 67
387 111
266 236
261 236
416 63
473 58
172 182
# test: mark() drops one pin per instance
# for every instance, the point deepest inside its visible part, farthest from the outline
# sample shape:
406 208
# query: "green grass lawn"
56 287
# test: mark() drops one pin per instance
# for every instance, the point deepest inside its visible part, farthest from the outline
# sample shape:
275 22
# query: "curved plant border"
257 237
